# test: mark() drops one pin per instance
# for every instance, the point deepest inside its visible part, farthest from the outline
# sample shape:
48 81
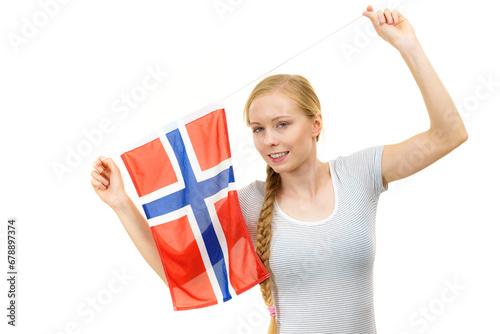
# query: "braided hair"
300 90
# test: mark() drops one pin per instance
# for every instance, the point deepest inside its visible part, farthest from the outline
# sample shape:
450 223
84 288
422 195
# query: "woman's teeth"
278 155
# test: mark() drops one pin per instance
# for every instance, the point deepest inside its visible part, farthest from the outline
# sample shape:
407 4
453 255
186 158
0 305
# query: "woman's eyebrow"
275 118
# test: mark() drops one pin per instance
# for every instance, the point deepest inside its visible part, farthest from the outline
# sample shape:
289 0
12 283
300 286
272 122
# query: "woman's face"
282 133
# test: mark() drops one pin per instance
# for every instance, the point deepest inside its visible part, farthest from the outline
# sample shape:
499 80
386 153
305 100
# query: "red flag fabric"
184 179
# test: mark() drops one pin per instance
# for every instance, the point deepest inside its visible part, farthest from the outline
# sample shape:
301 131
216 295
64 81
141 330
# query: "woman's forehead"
270 106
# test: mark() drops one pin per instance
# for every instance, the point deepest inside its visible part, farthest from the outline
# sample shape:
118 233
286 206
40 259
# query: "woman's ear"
317 125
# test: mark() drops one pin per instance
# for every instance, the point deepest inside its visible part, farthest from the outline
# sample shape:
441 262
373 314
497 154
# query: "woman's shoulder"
251 198
368 155
364 165
254 189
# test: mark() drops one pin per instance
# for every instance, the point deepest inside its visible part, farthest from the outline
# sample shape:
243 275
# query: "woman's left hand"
393 27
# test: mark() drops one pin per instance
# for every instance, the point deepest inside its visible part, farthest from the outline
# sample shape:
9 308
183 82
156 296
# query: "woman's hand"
107 182
393 27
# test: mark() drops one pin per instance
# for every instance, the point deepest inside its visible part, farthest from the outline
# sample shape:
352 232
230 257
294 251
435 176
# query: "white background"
439 225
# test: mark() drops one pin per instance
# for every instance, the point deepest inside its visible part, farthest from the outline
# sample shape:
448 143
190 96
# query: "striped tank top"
322 271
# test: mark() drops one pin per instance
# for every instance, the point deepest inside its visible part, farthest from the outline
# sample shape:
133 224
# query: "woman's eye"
281 125
257 129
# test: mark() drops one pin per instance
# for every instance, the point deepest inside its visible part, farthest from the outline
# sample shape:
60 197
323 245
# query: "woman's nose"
271 138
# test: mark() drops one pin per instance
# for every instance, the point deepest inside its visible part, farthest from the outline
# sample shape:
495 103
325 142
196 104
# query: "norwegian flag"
185 183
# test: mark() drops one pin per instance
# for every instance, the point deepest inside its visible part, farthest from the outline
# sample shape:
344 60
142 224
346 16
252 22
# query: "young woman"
312 222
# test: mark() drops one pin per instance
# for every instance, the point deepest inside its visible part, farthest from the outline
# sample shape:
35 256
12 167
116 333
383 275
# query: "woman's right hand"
107 182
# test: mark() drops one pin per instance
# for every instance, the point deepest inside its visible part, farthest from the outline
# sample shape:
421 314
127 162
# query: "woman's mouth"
276 157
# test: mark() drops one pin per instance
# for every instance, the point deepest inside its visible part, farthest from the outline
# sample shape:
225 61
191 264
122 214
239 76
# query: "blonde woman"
312 222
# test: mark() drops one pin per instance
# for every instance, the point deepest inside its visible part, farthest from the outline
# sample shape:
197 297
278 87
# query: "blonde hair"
300 90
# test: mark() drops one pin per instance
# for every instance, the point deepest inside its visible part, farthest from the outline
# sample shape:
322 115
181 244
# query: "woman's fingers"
101 174
393 27
388 15
104 182
374 18
107 181
395 15
382 16
107 173
108 165
104 166
97 184
98 165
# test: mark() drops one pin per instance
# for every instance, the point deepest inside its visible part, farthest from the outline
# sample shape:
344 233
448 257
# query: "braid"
299 90
263 249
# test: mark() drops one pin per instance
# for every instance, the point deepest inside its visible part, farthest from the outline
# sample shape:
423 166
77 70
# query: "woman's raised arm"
447 130
108 184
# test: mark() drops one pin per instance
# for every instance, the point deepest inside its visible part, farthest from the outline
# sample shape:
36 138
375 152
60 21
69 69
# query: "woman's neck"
306 181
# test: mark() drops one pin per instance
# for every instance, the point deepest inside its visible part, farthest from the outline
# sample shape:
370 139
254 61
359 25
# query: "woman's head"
295 87
284 114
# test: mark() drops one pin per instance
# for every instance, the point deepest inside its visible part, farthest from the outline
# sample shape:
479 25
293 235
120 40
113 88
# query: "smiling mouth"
278 155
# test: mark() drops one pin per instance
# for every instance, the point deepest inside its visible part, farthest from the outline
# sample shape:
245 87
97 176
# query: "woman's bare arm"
139 231
447 130
108 184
